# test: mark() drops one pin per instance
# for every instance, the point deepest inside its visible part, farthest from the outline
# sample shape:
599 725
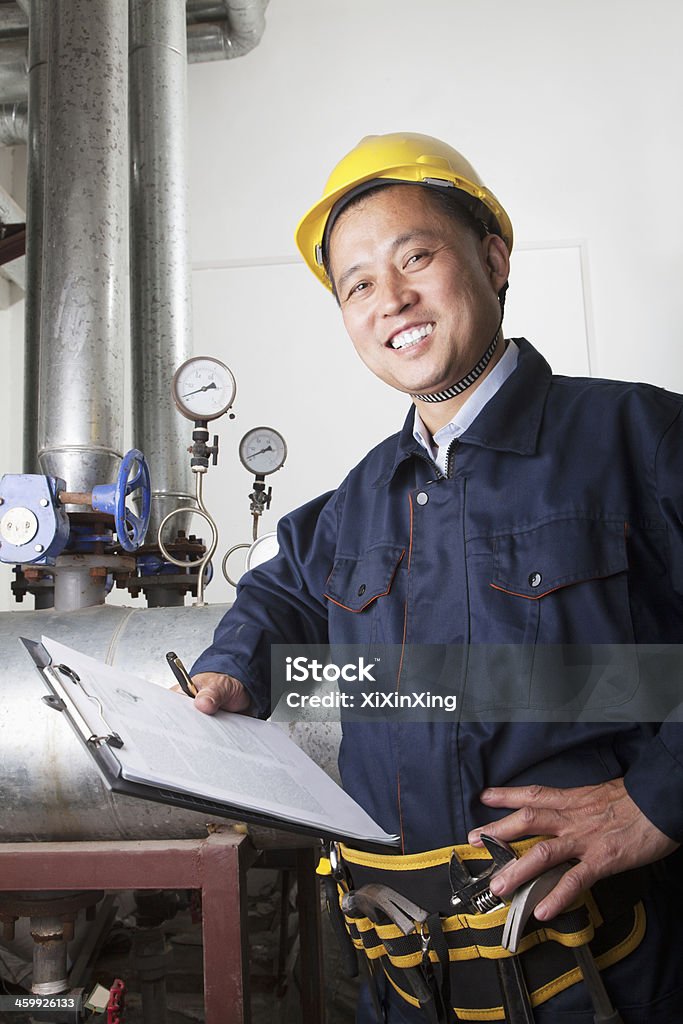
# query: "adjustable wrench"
472 894
525 900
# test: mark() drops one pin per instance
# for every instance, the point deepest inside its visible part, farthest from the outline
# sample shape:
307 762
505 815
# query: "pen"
180 672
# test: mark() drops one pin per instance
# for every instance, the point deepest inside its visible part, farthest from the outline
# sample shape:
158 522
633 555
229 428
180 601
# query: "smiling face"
418 292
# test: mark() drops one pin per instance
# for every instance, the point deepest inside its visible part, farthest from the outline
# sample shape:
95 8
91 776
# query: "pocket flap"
355 582
535 562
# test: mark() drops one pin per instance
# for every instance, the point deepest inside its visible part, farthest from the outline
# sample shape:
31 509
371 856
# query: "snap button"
361 590
535 579
422 498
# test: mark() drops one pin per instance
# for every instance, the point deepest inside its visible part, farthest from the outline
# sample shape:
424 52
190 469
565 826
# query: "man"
514 508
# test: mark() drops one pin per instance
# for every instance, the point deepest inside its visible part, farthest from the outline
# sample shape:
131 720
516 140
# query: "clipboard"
69 696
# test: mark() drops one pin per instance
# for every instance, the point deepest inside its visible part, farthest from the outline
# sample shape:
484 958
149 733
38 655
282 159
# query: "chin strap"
468 380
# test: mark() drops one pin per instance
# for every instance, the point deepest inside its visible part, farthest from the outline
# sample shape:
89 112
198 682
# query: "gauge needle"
207 387
268 449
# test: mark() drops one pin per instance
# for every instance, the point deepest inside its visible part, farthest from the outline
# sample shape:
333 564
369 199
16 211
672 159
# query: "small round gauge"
203 388
263 450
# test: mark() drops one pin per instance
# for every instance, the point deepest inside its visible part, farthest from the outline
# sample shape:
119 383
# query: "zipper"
449 457
430 462
449 460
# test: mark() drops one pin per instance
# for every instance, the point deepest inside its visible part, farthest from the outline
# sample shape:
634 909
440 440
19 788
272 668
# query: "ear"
496 260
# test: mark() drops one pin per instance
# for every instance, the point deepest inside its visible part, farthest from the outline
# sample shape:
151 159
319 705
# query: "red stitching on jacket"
400 667
355 611
562 586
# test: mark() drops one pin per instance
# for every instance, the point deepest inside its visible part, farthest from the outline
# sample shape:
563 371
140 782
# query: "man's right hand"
218 691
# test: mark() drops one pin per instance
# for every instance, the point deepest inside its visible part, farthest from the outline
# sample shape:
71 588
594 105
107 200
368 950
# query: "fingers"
599 829
574 881
518 796
217 691
547 853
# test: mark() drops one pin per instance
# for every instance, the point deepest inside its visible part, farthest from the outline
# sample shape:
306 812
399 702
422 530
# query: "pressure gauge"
203 388
263 450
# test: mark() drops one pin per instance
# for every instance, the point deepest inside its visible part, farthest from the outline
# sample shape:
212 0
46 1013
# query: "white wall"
569 109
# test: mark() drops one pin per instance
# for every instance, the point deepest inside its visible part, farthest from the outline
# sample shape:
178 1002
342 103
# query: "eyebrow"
408 236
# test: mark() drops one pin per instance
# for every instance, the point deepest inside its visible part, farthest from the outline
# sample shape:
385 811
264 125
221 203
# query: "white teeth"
411 336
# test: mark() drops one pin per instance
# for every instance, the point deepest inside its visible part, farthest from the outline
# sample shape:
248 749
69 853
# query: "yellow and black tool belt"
610 917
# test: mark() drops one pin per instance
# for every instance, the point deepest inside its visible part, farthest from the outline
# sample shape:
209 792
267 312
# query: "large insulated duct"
13 20
84 314
216 30
221 29
13 68
51 789
14 124
38 43
159 249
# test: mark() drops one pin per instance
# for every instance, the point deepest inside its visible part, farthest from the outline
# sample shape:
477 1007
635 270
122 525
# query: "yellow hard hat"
399 157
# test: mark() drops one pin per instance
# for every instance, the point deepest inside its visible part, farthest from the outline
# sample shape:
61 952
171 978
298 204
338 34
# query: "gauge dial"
261 550
203 388
263 450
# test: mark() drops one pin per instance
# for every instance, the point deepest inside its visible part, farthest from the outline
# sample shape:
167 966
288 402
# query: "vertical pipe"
50 975
85 283
160 277
35 191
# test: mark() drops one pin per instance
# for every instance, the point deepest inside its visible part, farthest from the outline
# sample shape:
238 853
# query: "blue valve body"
34 528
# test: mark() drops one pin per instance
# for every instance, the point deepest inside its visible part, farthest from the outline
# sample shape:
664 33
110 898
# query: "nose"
396 294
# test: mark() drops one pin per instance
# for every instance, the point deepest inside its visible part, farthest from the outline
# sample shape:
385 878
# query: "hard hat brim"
479 200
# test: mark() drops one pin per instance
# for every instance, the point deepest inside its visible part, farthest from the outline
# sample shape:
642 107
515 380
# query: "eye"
357 289
416 259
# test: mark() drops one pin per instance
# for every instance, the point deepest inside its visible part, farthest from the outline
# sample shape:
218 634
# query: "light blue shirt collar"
468 411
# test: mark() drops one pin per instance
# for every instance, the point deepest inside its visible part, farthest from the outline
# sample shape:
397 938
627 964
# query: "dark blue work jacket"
559 523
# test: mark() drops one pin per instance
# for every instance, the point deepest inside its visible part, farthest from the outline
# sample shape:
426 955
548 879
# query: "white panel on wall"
546 303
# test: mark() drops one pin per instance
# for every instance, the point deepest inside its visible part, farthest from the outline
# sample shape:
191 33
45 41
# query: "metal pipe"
216 30
13 68
13 51
76 588
50 976
13 21
240 29
13 124
205 10
51 789
38 48
85 274
160 267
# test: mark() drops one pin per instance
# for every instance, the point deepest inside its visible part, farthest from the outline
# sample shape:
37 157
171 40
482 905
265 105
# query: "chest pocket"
549 558
356 582
359 585
557 589
563 582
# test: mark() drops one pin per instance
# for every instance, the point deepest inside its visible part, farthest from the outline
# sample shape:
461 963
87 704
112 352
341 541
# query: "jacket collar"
510 422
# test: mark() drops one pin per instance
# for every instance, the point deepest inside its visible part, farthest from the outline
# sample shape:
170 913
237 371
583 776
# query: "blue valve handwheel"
111 498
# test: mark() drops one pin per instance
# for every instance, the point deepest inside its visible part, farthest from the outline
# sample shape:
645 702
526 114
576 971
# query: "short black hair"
449 201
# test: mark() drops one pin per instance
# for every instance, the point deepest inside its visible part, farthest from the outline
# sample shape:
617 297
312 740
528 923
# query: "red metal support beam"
216 865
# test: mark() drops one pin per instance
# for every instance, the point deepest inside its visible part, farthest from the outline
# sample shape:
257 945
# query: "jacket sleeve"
655 780
279 602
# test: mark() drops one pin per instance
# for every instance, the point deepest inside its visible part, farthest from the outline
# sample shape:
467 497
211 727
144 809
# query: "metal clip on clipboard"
60 700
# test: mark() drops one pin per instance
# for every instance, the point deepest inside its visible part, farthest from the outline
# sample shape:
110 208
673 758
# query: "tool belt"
447 963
